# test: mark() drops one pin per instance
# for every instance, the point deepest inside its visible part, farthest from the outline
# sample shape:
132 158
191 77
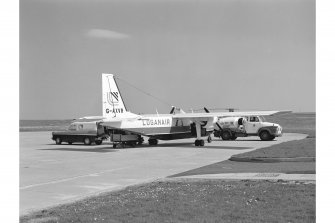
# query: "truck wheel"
153 142
272 137
225 135
58 141
265 135
98 142
87 141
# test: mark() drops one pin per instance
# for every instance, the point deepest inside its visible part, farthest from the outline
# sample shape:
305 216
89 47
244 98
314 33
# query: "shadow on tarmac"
191 145
107 149
245 140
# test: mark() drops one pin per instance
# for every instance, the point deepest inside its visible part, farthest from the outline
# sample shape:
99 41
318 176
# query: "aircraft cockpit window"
80 127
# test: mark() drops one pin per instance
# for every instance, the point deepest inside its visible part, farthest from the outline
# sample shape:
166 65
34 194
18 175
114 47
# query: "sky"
245 54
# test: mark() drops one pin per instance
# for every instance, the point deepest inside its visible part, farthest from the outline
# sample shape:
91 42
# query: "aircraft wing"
226 114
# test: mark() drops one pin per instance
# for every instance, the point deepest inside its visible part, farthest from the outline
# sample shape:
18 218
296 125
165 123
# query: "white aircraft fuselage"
164 127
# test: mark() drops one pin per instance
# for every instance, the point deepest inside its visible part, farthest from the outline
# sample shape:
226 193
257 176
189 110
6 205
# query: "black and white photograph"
167 111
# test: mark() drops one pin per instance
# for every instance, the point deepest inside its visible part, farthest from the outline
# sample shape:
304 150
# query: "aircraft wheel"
197 142
58 141
98 142
87 141
202 142
225 135
209 139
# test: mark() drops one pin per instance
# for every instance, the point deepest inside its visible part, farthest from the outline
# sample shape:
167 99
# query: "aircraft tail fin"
112 102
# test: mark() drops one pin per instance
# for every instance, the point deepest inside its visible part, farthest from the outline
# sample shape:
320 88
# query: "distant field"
43 125
192 201
296 122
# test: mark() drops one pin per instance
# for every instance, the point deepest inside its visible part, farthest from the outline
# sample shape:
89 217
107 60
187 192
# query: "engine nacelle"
210 123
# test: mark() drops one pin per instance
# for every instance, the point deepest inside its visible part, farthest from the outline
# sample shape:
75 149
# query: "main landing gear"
209 139
199 142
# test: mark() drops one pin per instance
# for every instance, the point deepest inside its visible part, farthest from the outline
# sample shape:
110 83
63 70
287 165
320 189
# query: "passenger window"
256 119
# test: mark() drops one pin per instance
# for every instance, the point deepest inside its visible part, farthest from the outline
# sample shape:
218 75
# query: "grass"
192 201
291 149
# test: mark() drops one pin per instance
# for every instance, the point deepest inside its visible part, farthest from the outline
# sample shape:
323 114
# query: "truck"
85 132
229 128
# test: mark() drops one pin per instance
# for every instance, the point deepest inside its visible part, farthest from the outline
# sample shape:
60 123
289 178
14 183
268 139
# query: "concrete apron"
56 174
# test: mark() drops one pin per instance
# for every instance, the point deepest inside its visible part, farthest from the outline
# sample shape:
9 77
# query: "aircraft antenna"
144 92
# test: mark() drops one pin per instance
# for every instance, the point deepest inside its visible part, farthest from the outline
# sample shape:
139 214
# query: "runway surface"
53 174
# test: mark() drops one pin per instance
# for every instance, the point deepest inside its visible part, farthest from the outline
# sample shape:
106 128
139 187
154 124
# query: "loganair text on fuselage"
157 122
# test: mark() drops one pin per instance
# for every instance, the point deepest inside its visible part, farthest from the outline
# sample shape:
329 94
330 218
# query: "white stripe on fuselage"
152 124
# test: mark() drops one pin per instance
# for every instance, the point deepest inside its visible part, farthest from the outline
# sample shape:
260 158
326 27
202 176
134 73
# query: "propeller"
172 110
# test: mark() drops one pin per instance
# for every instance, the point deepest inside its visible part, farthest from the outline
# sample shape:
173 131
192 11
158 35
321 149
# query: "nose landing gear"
209 139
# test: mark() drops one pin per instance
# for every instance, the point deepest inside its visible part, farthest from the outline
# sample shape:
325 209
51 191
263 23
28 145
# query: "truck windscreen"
262 119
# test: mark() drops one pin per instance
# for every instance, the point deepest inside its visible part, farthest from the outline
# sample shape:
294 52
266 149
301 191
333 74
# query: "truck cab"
232 127
252 123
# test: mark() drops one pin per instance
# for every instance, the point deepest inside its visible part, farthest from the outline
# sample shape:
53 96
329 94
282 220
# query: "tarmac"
53 174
